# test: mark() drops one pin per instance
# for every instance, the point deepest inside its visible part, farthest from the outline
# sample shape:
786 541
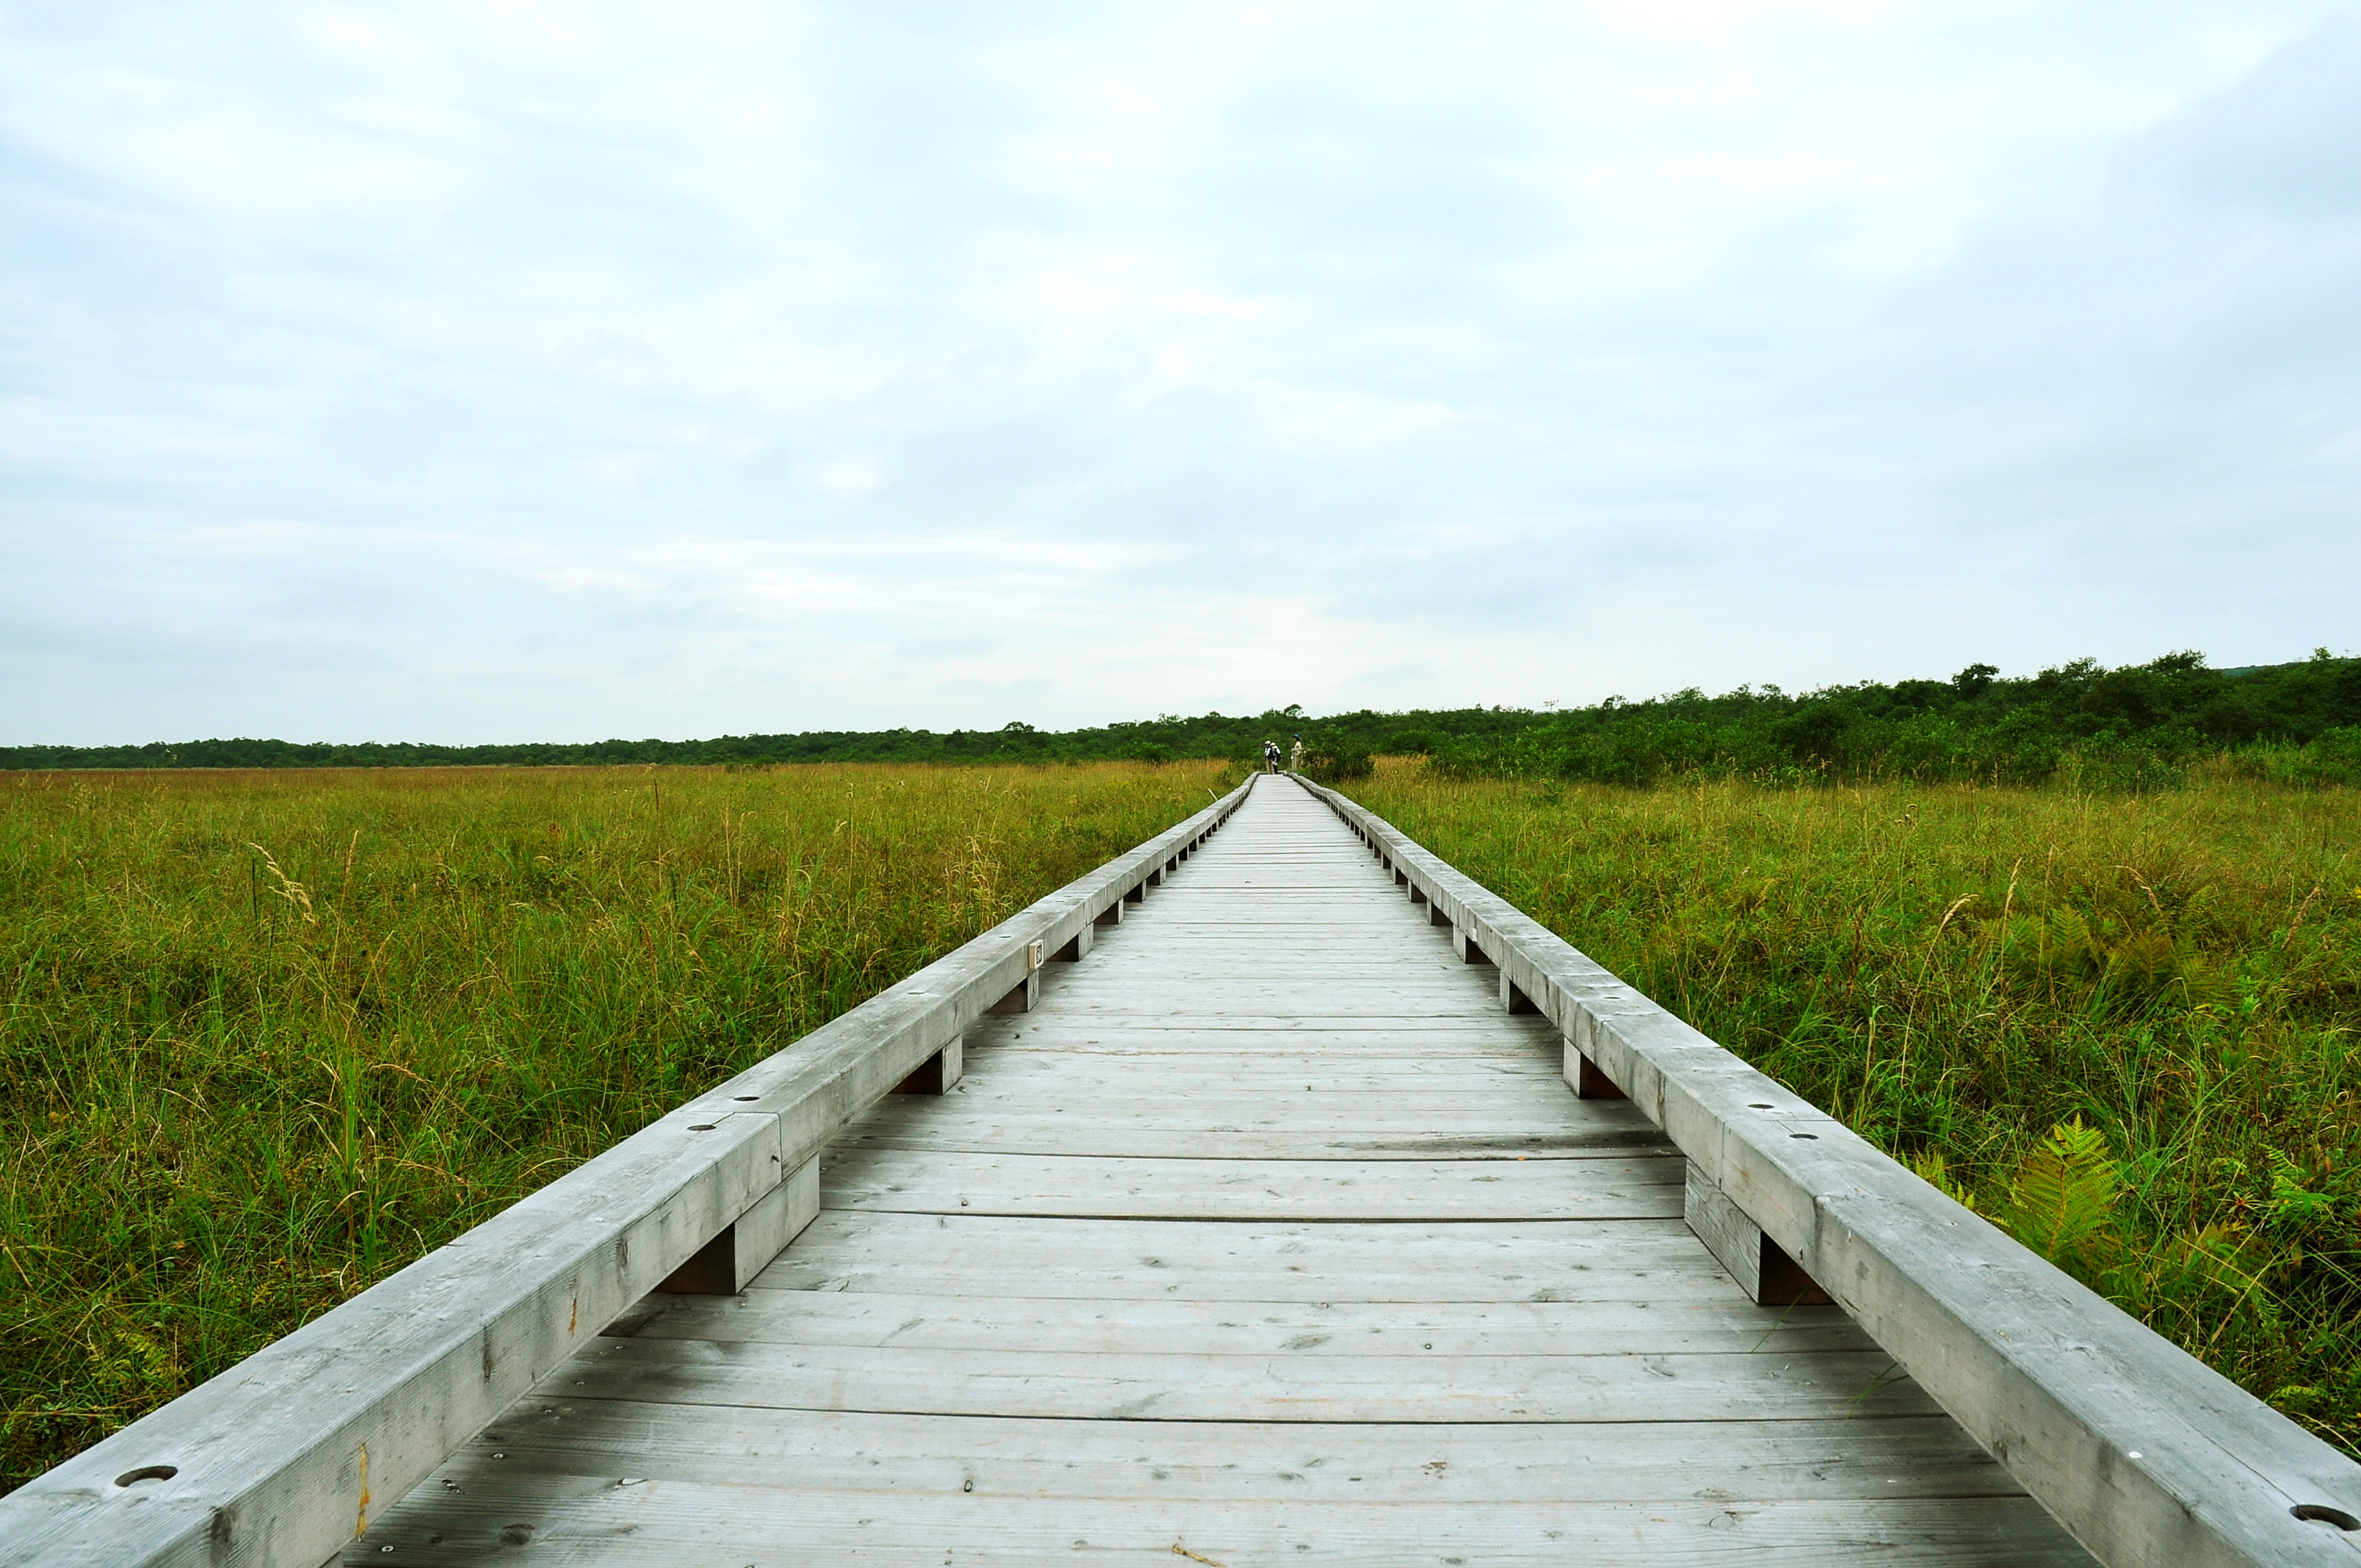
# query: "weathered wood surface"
2146 1453
1266 1235
287 1455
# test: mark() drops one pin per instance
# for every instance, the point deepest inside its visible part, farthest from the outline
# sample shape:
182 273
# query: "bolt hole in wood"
702 1127
745 1097
147 1473
1808 1137
2321 1513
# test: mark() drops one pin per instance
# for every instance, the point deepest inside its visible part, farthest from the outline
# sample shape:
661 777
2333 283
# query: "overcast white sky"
557 371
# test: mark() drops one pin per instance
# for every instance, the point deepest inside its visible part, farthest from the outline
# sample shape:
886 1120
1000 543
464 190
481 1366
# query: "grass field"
267 1036
1956 971
270 1036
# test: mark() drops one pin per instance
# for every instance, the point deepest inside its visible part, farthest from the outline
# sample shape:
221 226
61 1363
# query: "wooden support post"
1078 946
1513 997
1584 1077
1416 895
728 1263
1111 915
1028 990
1401 877
1436 915
1768 1275
1137 896
938 1073
1589 1082
1467 948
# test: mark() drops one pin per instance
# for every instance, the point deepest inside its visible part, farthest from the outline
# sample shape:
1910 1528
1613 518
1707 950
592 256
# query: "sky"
556 371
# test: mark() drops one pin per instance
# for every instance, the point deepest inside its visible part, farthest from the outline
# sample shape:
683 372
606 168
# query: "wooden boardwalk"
1266 1236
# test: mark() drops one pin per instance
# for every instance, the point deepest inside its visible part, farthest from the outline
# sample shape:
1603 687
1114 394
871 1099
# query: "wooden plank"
1463 1025
1306 1114
1291 945
1411 1041
944 1183
1276 1054
1201 1100
1198 1017
1085 1066
1047 1071
1317 1136
1483 1464
1148 1386
1050 1072
1215 1002
1630 1260
1084 1140
1407 993
1050 1134
1723 1323
1232 996
1154 1065
597 1521
1020 1081
1414 1038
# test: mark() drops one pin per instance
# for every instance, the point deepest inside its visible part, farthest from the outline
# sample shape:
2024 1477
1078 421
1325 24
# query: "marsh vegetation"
2124 1025
270 1036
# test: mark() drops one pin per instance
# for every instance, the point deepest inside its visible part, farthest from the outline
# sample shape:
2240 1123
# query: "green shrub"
1333 759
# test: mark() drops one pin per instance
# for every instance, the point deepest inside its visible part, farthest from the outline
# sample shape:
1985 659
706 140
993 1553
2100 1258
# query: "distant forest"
2131 725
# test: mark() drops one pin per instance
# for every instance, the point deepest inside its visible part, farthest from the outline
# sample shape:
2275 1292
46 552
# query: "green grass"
239 1084
267 1037
2122 1027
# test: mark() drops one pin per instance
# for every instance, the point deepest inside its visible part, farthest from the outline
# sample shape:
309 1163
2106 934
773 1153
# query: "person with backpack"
1271 756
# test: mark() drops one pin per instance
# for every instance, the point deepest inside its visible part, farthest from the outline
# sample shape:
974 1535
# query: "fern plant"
1929 1166
2062 1203
2292 1204
2074 956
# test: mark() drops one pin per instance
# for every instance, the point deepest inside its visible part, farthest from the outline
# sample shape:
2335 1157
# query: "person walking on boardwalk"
1295 757
1271 756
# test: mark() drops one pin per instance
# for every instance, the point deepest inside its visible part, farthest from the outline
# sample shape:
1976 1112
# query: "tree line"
2129 727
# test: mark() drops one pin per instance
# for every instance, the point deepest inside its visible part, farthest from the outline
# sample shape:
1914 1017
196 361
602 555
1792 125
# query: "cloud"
567 371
